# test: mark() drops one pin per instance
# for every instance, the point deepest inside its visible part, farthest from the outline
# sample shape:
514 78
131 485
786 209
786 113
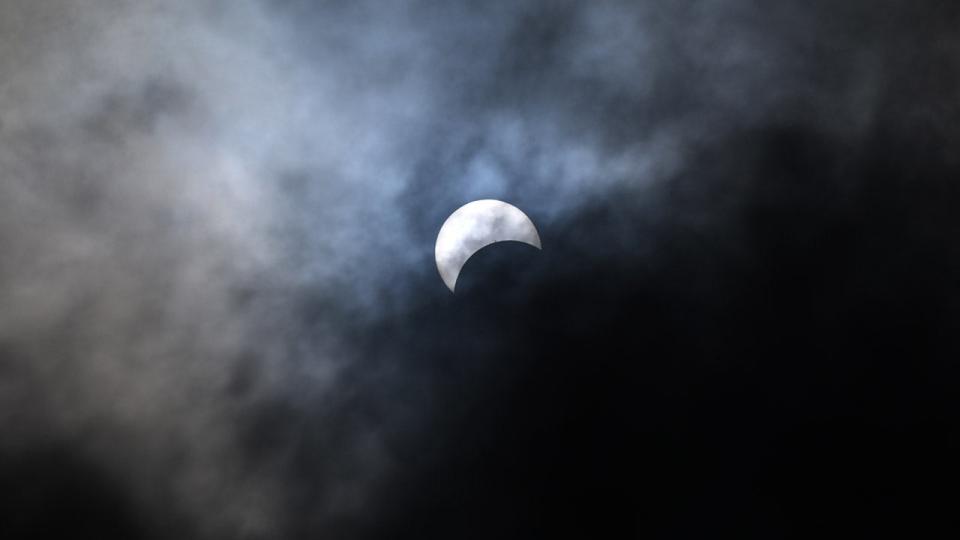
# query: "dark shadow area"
54 494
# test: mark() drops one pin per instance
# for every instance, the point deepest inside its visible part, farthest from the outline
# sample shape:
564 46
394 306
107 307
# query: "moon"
474 226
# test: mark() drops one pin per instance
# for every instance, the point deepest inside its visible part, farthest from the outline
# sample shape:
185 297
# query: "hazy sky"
217 222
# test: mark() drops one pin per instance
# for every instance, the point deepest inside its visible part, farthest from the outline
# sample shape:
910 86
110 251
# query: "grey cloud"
202 202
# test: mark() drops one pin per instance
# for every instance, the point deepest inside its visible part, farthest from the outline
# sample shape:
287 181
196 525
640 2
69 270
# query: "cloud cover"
216 218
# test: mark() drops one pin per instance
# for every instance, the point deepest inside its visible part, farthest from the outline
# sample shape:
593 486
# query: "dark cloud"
52 493
221 317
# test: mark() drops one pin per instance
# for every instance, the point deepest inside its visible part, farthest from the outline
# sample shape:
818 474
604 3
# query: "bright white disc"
474 226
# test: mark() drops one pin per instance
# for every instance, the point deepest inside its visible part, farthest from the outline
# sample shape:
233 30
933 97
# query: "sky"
220 315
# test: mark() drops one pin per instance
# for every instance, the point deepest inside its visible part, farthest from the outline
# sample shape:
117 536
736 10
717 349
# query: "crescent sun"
474 226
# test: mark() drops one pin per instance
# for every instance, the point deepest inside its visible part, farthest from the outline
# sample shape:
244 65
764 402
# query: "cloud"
217 219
